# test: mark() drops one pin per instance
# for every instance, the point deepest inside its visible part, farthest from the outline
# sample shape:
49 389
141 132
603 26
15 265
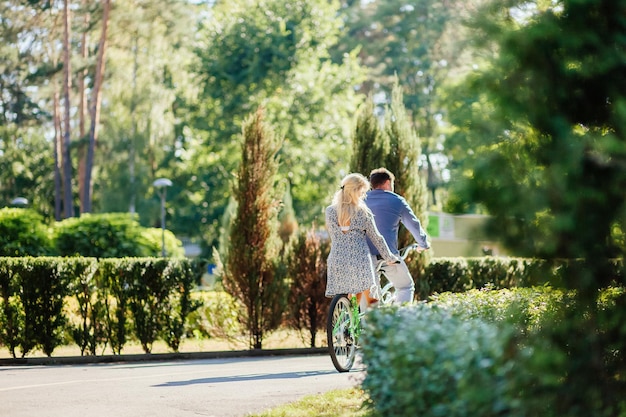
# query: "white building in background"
460 235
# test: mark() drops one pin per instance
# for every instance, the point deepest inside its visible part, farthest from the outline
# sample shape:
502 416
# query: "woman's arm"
378 240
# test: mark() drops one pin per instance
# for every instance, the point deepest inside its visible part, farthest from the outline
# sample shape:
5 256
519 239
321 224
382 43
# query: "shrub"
23 233
490 353
424 361
306 263
88 330
217 316
111 235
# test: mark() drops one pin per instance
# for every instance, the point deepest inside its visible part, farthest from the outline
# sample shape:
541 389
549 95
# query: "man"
391 209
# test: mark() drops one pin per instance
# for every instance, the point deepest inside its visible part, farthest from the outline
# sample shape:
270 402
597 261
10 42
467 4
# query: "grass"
338 403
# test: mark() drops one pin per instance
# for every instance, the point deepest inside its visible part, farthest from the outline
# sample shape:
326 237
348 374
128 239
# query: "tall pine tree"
251 273
369 145
394 146
403 160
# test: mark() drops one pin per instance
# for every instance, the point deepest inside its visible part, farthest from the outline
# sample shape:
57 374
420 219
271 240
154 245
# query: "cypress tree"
403 160
251 265
369 146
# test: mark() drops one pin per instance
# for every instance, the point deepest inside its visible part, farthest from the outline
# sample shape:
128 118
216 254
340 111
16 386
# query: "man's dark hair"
378 177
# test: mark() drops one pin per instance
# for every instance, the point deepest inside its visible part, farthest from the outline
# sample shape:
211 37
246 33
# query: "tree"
394 146
369 145
553 177
403 160
250 273
275 54
415 42
66 159
308 304
25 156
94 109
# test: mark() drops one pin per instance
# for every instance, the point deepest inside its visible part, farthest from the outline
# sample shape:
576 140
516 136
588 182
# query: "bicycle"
343 327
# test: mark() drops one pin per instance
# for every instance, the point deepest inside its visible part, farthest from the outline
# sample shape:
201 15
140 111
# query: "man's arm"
413 225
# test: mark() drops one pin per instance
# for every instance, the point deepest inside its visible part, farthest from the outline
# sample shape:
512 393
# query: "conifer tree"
394 146
251 264
552 175
403 160
369 145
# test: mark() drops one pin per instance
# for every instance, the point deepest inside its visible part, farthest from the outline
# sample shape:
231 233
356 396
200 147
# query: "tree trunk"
58 148
67 85
133 130
82 105
94 111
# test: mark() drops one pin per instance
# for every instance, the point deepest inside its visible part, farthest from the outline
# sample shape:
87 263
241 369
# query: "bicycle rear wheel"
340 330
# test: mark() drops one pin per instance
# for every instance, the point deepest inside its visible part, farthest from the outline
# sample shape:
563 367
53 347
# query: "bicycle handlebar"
404 252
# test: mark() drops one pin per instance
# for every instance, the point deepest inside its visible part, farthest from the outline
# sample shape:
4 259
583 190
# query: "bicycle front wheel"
340 330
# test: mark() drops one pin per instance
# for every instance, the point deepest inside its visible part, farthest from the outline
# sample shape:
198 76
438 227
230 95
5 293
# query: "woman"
349 222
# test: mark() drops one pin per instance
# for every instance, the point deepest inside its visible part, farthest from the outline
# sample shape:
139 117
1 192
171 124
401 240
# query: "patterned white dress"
349 265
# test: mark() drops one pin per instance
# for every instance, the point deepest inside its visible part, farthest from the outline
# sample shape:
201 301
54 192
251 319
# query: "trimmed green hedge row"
463 274
482 353
114 299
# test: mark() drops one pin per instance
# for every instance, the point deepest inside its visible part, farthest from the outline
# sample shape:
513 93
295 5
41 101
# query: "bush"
23 233
490 353
45 300
306 266
32 294
218 315
111 235
424 361
463 274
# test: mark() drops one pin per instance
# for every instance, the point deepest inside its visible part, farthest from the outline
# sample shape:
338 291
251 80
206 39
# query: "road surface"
232 387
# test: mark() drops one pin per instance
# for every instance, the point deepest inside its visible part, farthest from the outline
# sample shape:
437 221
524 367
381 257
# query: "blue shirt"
391 209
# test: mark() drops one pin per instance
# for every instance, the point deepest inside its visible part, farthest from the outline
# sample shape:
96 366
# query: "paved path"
233 387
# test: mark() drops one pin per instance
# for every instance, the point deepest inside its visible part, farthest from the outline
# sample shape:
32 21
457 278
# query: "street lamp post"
161 185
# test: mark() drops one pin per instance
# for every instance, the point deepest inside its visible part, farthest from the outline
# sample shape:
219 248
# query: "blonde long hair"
349 199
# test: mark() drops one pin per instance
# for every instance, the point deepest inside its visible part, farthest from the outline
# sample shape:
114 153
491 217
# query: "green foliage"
181 277
552 175
527 308
153 238
414 43
147 292
218 315
251 265
23 233
403 160
80 273
422 360
369 144
306 267
394 146
274 54
41 291
108 299
463 274
149 86
482 353
157 293
114 279
12 311
112 235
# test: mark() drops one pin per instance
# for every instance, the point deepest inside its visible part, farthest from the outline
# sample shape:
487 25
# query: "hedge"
146 298
484 353
463 274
